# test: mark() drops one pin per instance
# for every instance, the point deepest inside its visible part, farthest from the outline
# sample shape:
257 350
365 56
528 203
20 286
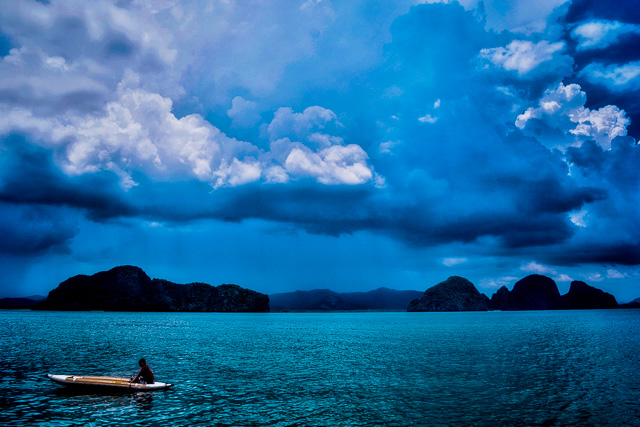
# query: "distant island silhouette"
129 288
534 292
381 299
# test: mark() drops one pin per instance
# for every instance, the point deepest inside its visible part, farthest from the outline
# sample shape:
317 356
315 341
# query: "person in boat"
145 375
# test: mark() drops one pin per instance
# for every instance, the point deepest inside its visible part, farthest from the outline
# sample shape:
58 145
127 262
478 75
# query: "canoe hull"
108 383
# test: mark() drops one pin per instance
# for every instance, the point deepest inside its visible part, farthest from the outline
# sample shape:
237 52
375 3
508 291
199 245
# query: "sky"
349 145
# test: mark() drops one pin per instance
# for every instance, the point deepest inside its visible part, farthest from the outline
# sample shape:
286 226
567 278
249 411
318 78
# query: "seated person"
145 375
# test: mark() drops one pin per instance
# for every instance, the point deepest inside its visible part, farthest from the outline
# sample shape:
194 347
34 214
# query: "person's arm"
137 377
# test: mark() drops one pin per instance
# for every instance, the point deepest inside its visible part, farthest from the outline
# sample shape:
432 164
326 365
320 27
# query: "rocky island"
454 294
128 288
534 292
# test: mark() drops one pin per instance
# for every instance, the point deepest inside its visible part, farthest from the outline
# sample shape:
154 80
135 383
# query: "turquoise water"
327 369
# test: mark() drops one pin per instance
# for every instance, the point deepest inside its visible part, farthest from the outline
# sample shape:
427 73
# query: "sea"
533 368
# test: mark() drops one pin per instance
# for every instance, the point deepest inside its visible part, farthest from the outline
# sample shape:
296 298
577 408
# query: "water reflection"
143 400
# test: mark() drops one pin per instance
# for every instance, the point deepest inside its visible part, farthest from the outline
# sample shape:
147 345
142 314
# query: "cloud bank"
502 130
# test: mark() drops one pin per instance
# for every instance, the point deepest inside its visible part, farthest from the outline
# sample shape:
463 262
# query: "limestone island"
128 288
534 292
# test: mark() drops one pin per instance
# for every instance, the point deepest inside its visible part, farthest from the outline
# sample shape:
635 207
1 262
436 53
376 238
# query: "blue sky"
287 145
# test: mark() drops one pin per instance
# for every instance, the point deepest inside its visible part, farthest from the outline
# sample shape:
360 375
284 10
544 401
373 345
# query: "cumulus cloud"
522 56
300 144
333 165
139 132
243 112
599 34
563 110
286 123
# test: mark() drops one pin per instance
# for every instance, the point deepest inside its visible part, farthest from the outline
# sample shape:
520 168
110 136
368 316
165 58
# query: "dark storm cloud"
36 202
30 177
33 230
331 210
622 253
612 227
616 168
582 10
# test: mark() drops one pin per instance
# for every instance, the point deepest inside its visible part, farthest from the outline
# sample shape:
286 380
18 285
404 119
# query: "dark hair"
142 362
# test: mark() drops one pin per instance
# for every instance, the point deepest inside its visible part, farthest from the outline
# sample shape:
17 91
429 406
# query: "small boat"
111 383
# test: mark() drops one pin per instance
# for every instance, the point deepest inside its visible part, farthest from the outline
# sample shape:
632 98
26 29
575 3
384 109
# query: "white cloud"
563 108
601 125
276 175
385 147
579 218
563 278
593 277
534 267
31 78
334 165
243 112
312 153
617 78
98 41
99 18
522 55
428 118
227 47
599 34
286 123
138 131
237 172
431 118
495 283
615 274
449 262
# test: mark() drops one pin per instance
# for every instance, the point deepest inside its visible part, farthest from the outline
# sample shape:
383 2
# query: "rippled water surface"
527 368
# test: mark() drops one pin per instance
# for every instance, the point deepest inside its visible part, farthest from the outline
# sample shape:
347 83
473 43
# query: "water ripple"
333 369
